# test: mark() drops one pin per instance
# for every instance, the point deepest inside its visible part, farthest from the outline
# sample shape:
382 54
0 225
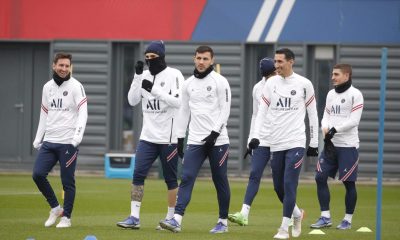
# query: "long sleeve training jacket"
160 106
207 103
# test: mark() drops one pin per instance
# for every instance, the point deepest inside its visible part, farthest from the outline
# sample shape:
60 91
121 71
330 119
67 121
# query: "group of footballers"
200 105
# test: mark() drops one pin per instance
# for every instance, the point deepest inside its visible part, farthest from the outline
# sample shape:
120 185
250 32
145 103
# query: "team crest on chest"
65 93
293 92
343 100
162 84
209 88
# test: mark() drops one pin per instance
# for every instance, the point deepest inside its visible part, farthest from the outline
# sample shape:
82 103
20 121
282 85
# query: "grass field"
100 203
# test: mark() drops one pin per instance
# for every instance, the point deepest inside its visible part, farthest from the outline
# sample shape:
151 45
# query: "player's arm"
173 98
311 106
81 101
355 115
254 114
42 120
263 109
327 115
134 94
224 102
183 116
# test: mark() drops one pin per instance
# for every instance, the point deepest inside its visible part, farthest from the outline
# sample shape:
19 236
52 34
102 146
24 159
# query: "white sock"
326 214
170 213
223 221
245 210
178 218
285 223
55 208
296 211
135 208
348 217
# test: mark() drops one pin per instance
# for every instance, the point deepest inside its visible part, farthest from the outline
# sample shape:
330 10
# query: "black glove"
253 144
330 133
139 67
248 152
312 152
210 140
329 149
147 85
180 147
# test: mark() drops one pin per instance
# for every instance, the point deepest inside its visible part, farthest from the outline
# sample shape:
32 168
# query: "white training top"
343 112
264 132
63 114
160 106
207 102
284 105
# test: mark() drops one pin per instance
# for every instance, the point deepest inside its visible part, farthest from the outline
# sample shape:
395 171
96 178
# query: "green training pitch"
101 202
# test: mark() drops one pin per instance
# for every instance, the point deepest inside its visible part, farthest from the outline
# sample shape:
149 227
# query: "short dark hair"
203 49
345 68
62 55
287 52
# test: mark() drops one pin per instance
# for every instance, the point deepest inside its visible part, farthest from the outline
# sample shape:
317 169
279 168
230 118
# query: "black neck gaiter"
343 87
59 80
156 65
202 75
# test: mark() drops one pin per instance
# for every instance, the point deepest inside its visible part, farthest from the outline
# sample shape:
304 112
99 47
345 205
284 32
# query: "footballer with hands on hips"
159 91
63 118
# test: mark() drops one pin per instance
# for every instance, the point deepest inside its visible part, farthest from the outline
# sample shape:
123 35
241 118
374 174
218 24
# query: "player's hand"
180 147
139 67
248 152
37 145
210 140
330 133
312 152
329 149
147 85
253 144
74 143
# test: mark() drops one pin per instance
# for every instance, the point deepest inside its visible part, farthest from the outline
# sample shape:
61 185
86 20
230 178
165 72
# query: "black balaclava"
201 75
59 80
156 65
343 87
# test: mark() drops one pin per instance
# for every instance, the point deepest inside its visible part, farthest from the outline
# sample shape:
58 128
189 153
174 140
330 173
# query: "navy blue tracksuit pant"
286 166
195 156
259 160
49 155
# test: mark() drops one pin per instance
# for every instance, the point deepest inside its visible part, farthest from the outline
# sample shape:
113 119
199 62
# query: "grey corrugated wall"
91 66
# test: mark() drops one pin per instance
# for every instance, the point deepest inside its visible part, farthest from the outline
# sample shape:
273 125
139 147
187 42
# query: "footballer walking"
285 100
159 91
206 100
63 117
343 109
